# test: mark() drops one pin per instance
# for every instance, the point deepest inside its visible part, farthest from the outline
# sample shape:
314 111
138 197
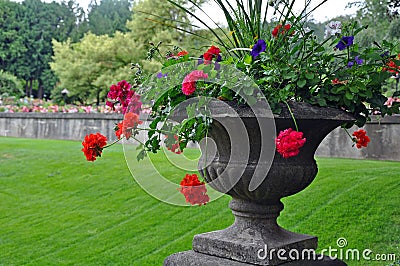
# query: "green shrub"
9 85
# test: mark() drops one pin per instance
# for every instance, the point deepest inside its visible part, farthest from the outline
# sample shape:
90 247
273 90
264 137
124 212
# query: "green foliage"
109 16
382 18
9 85
89 67
26 35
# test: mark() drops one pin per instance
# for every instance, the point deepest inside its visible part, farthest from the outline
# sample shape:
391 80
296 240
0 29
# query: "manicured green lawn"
58 209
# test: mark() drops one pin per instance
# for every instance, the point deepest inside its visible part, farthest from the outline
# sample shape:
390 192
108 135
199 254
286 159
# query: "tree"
381 19
89 67
109 16
9 85
27 30
160 21
11 40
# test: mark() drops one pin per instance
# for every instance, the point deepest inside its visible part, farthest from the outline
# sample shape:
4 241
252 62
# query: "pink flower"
127 98
289 142
189 82
391 100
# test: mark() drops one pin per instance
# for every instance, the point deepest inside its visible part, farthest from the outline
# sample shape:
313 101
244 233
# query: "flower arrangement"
284 59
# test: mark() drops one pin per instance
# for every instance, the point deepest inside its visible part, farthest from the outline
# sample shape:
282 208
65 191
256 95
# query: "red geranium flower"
391 67
131 120
361 139
118 129
175 146
93 146
336 81
278 29
289 142
182 53
211 53
195 192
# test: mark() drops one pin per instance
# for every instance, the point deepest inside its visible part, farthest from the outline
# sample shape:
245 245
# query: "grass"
56 208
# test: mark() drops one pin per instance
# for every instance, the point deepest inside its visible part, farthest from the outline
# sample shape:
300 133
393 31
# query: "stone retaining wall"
384 134
384 145
57 125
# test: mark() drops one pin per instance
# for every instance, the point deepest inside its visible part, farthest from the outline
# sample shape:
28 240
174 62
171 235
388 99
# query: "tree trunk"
30 87
98 98
40 90
26 88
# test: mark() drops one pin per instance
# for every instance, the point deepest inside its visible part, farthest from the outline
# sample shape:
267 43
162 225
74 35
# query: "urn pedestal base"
255 237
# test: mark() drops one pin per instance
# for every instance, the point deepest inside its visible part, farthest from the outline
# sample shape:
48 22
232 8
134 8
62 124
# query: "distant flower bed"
42 106
54 109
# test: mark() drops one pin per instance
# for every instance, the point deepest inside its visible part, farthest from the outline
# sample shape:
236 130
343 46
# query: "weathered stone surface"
192 258
70 126
241 142
383 146
255 228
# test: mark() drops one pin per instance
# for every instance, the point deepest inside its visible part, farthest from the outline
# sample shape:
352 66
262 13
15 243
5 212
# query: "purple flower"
346 41
258 48
200 61
358 60
161 75
385 54
217 66
350 64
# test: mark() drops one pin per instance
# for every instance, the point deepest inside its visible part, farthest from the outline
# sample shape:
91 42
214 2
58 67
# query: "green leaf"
290 75
141 155
248 90
301 83
349 95
354 89
309 75
248 59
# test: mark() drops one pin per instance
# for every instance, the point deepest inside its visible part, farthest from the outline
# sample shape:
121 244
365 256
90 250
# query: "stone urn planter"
255 237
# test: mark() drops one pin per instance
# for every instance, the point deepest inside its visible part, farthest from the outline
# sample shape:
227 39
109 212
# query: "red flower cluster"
123 94
336 81
212 52
195 192
392 67
174 147
189 82
361 139
131 121
93 146
289 142
182 53
278 29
